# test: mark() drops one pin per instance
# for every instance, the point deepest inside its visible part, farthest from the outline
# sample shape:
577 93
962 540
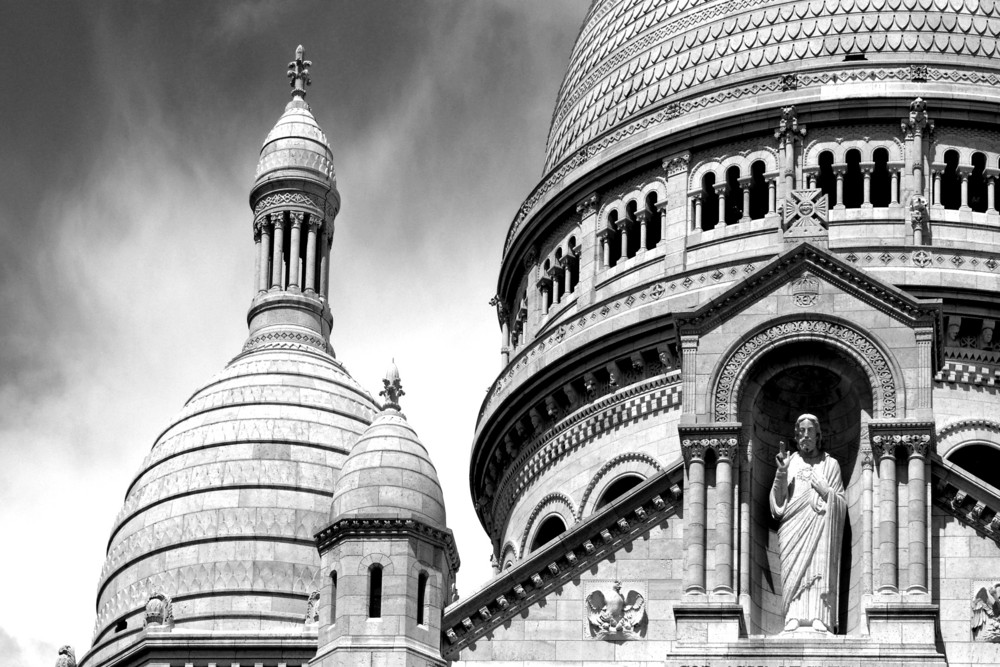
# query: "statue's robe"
809 539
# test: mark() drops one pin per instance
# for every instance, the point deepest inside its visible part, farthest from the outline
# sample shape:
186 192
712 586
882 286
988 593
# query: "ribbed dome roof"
296 148
638 63
222 513
389 475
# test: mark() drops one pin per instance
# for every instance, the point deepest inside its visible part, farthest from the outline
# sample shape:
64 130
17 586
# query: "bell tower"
294 201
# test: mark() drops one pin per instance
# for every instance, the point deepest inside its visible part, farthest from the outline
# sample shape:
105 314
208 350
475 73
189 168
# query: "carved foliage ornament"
159 610
874 362
613 616
884 444
695 448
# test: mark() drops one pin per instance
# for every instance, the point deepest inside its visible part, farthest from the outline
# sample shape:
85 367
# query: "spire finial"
392 387
298 72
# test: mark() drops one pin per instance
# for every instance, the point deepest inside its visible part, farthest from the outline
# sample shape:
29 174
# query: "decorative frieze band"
698 439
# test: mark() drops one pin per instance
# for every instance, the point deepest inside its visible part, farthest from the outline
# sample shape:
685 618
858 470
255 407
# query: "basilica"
749 405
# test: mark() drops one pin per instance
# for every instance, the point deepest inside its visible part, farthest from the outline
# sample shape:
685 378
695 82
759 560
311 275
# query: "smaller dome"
389 475
296 148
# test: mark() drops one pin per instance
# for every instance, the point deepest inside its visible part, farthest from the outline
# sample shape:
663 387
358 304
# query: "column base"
710 620
899 620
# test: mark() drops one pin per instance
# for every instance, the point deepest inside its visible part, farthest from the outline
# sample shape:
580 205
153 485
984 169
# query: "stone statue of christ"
808 498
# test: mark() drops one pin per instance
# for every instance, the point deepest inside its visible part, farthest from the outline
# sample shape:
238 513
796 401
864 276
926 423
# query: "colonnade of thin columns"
746 184
694 534
274 270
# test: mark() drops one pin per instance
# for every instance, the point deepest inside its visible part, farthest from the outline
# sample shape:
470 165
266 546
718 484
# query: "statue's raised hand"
782 460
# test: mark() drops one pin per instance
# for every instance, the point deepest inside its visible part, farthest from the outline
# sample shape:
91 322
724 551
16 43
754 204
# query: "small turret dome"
296 152
389 474
296 147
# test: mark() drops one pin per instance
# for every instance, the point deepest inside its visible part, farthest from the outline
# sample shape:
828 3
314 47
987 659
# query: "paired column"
725 453
696 226
916 514
885 450
694 528
963 173
745 184
720 192
866 170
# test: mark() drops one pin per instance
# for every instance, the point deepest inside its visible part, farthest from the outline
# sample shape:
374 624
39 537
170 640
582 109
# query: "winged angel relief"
613 616
986 615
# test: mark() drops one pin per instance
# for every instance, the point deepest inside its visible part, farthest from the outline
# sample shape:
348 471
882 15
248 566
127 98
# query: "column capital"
916 437
676 165
723 438
965 170
746 182
839 168
642 216
588 205
296 218
720 188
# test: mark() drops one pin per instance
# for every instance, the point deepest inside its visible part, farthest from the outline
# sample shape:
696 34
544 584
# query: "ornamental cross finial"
298 72
392 387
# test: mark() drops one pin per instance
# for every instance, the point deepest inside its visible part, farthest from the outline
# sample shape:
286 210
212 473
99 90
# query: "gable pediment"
803 274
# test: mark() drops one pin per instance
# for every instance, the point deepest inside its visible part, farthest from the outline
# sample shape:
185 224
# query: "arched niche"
804 376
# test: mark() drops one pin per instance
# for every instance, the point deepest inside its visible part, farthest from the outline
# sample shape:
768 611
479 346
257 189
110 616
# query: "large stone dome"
222 513
637 63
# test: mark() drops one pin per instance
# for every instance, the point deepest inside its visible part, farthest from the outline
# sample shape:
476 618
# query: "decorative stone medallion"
806 214
615 610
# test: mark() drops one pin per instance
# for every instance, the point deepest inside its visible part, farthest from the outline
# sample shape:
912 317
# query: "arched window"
333 597
881 185
375 591
979 460
709 203
734 196
854 181
617 489
550 529
614 242
653 222
758 191
827 181
421 596
977 183
951 187
633 228
574 264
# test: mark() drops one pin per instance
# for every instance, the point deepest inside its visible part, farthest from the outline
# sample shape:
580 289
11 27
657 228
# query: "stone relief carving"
615 617
67 657
986 614
159 610
805 291
312 609
806 214
808 498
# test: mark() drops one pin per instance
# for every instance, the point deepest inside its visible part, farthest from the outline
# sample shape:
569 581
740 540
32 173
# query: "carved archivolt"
554 503
849 340
637 462
507 556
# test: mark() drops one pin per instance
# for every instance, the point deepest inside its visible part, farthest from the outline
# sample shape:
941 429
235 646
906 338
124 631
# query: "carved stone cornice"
374 528
916 436
587 543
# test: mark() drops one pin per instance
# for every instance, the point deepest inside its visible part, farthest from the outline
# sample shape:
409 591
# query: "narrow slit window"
421 597
375 591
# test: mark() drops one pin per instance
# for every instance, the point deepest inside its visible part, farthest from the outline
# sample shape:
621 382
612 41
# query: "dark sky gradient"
128 137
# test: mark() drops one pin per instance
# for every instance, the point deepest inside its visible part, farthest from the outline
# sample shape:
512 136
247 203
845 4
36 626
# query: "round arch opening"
551 527
782 384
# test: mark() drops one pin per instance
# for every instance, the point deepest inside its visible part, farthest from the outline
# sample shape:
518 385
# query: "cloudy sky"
129 133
